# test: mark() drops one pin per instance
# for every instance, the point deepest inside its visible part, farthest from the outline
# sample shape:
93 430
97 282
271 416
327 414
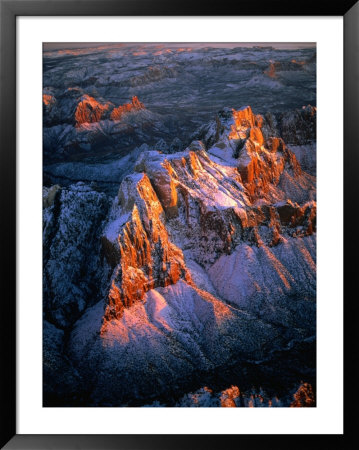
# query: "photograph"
179 224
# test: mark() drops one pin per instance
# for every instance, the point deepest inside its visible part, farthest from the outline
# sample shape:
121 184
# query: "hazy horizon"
51 46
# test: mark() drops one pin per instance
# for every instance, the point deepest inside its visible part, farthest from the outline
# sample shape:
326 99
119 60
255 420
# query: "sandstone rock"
120 111
48 100
304 397
147 258
230 397
90 110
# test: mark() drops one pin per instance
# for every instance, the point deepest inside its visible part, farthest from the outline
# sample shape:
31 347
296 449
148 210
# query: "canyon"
179 263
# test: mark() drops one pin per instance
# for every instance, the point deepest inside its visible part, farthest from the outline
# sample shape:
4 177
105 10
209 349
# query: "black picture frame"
9 10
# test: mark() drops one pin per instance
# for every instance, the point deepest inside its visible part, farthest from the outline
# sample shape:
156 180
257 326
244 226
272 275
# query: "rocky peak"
138 245
210 208
90 110
187 199
48 99
294 127
118 112
261 160
304 397
244 121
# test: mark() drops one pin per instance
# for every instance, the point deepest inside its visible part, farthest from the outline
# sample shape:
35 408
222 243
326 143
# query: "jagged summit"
179 260
142 253
195 200
216 237
242 139
135 105
90 110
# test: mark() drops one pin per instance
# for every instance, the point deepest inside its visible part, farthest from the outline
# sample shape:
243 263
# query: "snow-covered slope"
71 277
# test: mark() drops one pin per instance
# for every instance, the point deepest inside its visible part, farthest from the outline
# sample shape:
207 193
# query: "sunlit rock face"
146 258
260 162
48 99
236 215
268 169
181 89
233 397
89 110
77 123
206 259
275 67
117 113
304 397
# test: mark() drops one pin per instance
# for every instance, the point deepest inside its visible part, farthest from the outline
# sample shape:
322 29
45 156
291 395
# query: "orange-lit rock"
229 397
146 256
89 110
244 120
189 200
304 397
48 99
271 72
118 112
275 144
260 162
256 135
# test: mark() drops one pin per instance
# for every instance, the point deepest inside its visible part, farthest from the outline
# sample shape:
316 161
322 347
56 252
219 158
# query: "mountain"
200 271
181 89
233 397
78 124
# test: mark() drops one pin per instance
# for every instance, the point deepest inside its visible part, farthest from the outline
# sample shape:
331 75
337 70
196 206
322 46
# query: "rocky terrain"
175 90
179 267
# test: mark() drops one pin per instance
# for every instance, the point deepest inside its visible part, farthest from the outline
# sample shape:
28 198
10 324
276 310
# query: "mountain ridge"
206 256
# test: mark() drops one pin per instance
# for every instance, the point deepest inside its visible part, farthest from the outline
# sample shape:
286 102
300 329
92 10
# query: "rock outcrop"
72 275
142 253
198 243
48 99
90 110
210 208
233 397
304 397
135 105
184 258
279 66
